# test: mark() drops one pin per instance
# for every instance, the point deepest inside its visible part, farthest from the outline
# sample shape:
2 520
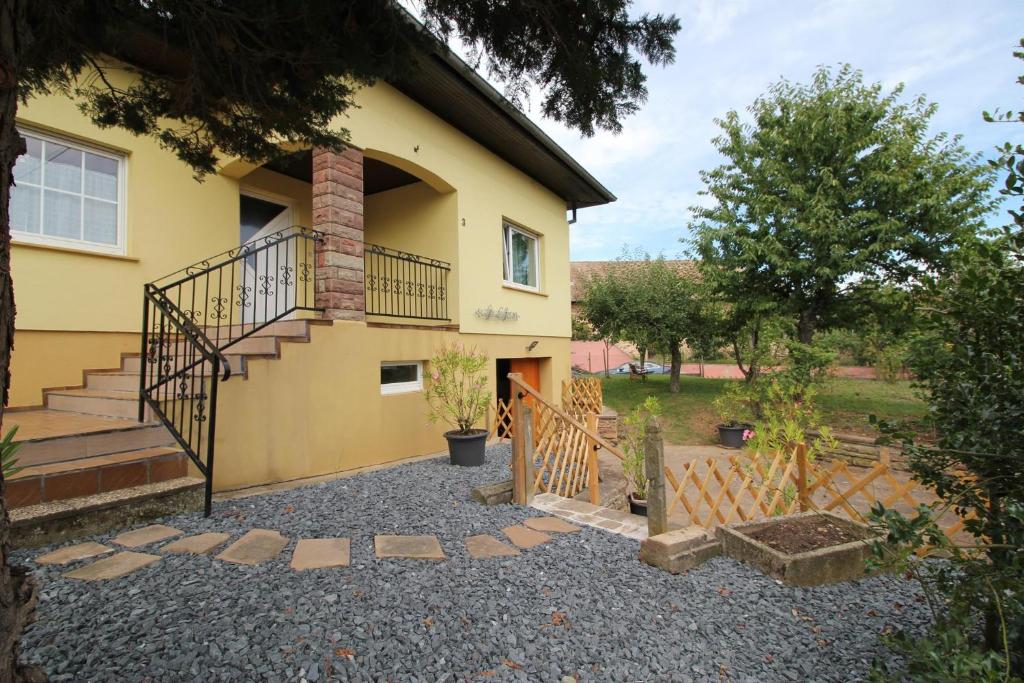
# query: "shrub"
457 393
634 435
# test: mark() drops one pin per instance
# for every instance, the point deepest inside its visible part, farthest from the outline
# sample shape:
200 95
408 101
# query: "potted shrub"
733 406
634 466
457 395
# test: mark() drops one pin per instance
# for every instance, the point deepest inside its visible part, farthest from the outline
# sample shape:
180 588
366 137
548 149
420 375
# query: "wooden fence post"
519 483
654 462
593 471
527 450
801 476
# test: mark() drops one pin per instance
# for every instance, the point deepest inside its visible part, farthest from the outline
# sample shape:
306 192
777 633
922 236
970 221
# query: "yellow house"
292 351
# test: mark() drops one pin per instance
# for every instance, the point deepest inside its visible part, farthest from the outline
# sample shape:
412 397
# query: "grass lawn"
690 417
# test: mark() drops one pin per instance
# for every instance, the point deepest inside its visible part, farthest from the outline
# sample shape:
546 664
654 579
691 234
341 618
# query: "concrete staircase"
86 441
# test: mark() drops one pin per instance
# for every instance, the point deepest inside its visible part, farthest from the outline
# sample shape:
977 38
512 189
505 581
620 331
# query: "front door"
271 289
529 368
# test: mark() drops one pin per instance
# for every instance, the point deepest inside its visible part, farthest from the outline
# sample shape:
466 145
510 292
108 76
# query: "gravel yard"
580 605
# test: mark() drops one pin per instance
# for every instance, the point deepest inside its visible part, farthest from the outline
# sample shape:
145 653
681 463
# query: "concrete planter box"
834 564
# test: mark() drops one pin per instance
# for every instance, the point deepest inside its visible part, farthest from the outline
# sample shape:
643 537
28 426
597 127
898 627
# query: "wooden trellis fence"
552 451
582 395
752 485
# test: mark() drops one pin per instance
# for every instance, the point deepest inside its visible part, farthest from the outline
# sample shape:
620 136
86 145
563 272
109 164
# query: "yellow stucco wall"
56 359
273 428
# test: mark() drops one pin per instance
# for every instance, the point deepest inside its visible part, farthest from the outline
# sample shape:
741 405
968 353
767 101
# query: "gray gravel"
581 605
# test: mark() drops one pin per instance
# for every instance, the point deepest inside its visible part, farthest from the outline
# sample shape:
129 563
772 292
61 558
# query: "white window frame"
403 387
506 238
118 249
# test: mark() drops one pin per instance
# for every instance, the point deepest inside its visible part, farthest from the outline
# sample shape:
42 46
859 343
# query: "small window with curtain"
521 257
399 377
67 194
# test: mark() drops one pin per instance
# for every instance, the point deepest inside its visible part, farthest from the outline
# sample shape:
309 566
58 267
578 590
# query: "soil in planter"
802 534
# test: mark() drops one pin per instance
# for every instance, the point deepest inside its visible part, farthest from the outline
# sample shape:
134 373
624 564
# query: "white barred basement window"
68 194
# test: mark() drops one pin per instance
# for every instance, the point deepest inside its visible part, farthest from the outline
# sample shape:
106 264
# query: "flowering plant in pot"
734 406
634 466
458 395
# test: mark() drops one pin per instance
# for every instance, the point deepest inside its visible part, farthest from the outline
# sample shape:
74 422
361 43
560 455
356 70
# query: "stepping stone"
112 567
552 524
525 537
408 547
146 535
197 545
319 553
256 546
79 551
483 547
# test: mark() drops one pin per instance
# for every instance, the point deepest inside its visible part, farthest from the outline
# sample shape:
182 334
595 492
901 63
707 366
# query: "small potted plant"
458 395
733 406
634 466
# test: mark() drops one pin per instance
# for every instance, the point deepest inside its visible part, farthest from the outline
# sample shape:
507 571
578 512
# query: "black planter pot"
637 506
466 449
732 436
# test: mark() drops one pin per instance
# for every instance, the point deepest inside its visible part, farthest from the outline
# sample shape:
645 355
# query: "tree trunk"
806 326
17 590
677 365
607 370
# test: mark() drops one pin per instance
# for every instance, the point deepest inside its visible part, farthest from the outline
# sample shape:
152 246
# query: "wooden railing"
582 395
552 451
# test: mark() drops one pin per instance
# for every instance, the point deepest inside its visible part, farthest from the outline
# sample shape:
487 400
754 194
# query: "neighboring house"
446 221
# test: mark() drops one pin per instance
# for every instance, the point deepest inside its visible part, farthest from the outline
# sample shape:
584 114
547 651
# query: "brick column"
338 213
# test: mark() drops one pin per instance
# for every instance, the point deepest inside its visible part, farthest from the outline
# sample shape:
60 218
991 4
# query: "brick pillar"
338 213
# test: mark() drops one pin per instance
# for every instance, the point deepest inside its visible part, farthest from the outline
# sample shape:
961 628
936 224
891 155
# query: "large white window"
69 195
521 257
400 377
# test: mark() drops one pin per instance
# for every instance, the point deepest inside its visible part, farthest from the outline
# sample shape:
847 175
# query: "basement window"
68 195
401 377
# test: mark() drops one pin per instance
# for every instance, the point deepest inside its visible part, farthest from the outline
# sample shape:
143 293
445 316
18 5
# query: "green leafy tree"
647 302
212 79
967 357
832 187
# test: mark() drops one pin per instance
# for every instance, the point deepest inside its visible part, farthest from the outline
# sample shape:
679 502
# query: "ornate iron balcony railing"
404 285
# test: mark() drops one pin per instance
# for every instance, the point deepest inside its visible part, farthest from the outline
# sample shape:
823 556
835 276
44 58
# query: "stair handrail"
236 253
526 390
188 328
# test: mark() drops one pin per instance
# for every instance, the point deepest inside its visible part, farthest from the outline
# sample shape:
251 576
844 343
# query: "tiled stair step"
114 436
99 474
64 520
124 404
237 362
112 380
282 328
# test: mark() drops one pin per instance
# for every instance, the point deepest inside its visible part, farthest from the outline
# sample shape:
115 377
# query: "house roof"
580 271
453 91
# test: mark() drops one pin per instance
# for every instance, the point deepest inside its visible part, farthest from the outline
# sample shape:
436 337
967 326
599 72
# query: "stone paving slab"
146 535
320 553
580 512
73 553
485 546
550 524
525 537
255 547
199 544
113 567
408 547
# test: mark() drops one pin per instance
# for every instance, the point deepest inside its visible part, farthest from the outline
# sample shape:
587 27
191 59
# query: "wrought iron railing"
192 316
404 285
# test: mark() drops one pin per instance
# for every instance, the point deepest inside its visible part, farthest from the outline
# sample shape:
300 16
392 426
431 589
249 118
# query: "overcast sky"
957 52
